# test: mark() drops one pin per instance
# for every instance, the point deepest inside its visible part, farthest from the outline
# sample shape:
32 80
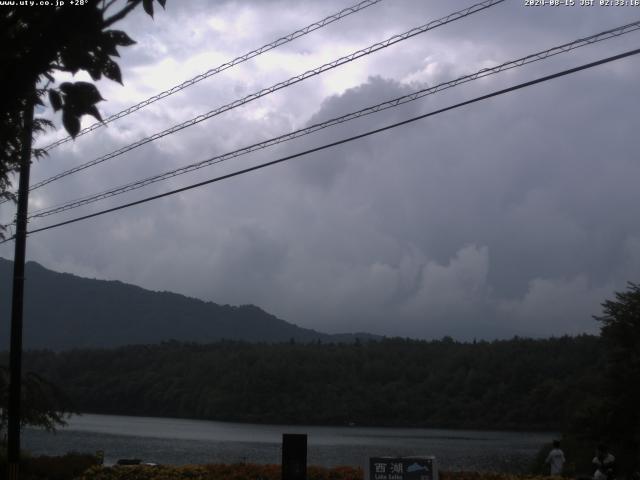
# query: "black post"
294 456
15 355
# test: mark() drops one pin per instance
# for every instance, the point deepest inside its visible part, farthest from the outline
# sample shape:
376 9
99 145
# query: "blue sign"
402 468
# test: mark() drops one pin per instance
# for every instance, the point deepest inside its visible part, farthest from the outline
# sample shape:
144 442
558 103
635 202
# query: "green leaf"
93 111
95 72
75 58
108 46
66 87
55 100
71 123
69 63
148 7
41 124
86 93
111 70
79 97
39 153
118 37
162 2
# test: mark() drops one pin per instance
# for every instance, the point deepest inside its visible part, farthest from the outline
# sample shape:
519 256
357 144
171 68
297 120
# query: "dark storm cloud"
507 217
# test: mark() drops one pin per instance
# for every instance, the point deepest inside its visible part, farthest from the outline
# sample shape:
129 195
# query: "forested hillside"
518 383
64 311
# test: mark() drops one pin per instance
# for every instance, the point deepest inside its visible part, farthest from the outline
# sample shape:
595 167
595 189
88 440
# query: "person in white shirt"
555 459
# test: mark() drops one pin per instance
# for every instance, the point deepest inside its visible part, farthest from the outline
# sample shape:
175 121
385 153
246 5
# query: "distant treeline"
512 384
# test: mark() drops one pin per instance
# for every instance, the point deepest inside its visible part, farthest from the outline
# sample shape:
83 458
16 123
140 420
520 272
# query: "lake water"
180 441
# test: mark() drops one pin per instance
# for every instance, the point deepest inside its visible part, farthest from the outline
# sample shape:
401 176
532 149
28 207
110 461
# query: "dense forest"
513 384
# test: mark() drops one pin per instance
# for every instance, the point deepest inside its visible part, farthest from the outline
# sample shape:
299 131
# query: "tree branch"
122 13
106 6
60 68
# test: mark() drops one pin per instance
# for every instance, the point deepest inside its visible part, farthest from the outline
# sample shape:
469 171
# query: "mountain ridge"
64 310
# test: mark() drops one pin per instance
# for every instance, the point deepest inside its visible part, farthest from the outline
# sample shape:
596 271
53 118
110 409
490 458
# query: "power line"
340 142
209 73
293 80
608 34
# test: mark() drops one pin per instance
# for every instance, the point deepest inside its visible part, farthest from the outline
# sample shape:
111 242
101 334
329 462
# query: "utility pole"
15 349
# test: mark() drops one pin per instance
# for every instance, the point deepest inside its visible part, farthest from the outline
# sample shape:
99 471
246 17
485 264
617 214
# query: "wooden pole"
15 349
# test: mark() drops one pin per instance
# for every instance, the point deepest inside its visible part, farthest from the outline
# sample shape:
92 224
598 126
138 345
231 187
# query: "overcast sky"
516 215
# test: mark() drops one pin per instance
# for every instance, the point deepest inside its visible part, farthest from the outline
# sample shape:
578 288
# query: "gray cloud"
513 216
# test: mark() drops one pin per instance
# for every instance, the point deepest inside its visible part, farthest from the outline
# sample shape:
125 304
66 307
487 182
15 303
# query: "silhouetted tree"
43 404
620 333
36 42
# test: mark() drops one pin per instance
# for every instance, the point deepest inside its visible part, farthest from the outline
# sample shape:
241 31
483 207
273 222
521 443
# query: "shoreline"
179 442
453 427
